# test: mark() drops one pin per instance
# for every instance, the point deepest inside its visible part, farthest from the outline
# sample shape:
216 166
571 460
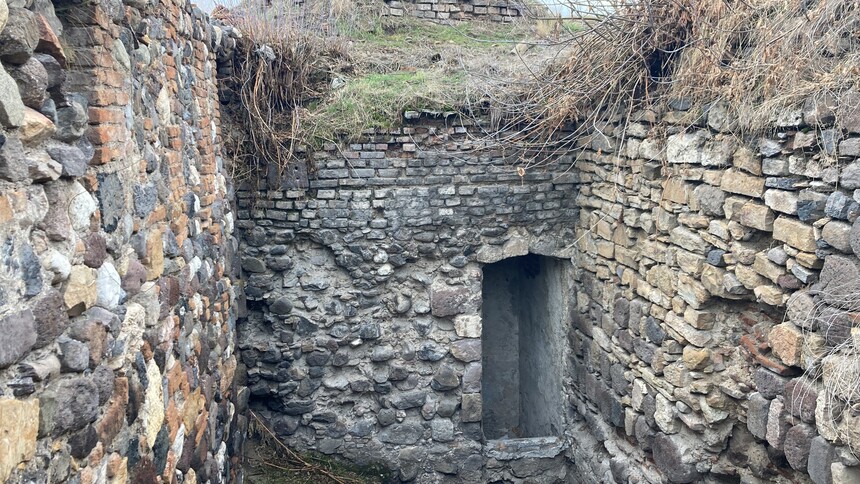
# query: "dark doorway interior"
524 301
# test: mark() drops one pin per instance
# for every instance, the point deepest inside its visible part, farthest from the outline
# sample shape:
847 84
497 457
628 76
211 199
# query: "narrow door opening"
524 301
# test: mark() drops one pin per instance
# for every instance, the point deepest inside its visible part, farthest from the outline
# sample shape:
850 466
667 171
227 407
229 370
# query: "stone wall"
717 297
116 302
363 333
494 11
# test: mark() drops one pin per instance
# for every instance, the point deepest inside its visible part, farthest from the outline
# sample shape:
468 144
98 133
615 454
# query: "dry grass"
760 57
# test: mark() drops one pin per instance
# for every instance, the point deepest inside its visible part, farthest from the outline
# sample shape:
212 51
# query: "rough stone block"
794 233
757 415
821 456
735 181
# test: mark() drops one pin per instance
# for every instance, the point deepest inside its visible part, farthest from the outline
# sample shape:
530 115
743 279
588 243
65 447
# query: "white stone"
468 326
108 285
82 206
664 415
152 412
686 147
58 264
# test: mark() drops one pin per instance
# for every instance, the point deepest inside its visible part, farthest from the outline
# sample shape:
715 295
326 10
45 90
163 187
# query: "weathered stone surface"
448 301
756 215
19 330
81 291
402 434
768 383
777 425
11 105
672 458
20 36
734 181
796 447
786 341
32 80
757 415
68 405
35 127
19 425
838 235
794 233
821 455
466 350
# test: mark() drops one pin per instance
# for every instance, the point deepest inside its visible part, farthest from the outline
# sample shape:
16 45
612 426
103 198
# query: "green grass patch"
379 101
405 33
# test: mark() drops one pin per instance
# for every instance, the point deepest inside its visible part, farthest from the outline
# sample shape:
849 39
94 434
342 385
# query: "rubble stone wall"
491 10
116 304
716 333
363 332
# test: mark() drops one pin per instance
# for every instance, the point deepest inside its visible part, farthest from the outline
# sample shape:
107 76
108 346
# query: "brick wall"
116 282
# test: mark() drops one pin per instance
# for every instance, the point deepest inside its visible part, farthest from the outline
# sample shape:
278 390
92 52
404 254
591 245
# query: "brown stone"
154 255
786 340
735 181
49 43
19 426
80 292
35 127
695 358
794 233
756 215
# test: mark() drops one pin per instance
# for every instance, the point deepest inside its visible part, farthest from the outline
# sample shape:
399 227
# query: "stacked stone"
363 331
693 244
115 298
494 11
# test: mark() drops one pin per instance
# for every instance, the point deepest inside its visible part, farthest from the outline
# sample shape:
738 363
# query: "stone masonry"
363 333
491 10
116 295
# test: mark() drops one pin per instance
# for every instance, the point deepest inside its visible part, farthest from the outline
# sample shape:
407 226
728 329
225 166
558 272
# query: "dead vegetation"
269 461
327 70
761 59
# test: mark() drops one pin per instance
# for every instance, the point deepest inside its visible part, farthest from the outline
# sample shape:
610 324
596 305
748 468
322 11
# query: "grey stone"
431 351
19 336
768 383
111 202
407 400
56 73
31 271
281 306
466 350
32 80
11 105
75 355
144 198
798 440
850 178
20 36
710 199
72 121
841 206
369 331
73 160
386 417
471 409
68 405
757 414
839 280
408 433
13 163
854 237
442 430
445 379
821 455
811 205
653 331
472 378
668 454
